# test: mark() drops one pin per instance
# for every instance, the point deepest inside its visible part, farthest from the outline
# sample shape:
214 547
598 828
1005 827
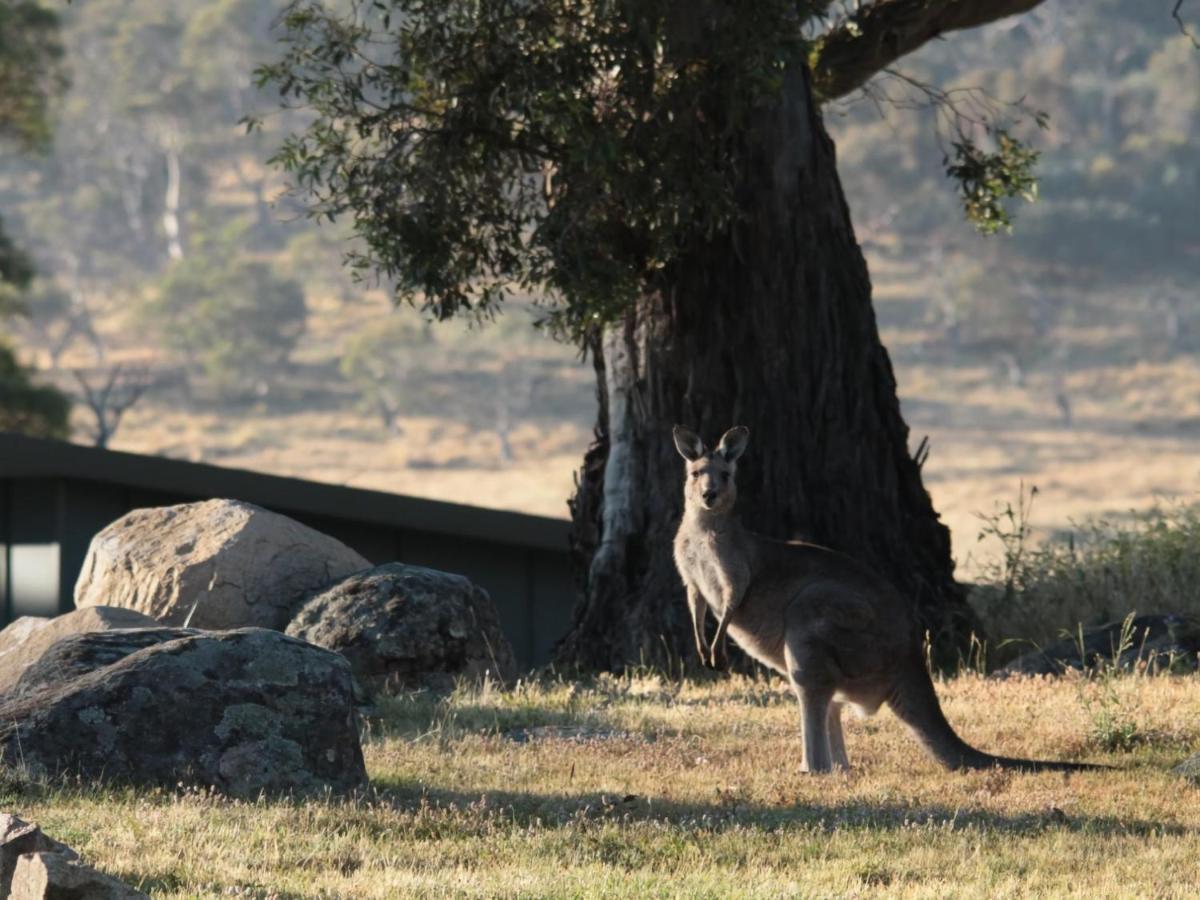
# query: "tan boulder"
56 876
233 563
18 837
25 641
19 630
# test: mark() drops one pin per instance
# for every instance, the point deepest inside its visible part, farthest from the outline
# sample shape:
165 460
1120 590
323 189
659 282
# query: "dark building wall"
513 557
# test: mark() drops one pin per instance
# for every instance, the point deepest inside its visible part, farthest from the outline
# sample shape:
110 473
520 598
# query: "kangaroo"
837 631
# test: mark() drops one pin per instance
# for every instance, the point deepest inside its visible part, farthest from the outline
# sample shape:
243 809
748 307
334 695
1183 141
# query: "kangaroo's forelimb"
699 611
732 601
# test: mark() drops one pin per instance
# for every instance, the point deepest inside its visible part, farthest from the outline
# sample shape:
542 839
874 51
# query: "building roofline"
26 457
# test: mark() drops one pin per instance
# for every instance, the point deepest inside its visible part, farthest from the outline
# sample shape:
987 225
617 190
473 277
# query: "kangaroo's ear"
733 443
690 447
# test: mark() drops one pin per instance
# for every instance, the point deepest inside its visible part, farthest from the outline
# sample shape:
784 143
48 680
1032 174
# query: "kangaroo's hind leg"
837 743
811 675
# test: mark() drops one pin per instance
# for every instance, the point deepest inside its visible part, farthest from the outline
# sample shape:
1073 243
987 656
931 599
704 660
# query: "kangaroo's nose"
709 497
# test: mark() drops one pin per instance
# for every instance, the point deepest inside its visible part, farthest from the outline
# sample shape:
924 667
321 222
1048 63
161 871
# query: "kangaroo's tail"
916 705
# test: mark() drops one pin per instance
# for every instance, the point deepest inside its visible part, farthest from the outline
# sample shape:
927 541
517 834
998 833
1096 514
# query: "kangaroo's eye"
695 474
724 476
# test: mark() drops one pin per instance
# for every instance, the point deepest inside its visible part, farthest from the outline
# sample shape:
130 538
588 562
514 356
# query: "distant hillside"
1064 354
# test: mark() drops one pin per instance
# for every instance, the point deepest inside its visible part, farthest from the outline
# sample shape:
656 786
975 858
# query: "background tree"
661 172
31 75
108 395
27 407
379 361
235 319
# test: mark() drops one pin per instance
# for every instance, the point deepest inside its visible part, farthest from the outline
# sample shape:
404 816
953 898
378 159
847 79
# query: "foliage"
1106 696
379 360
27 407
987 178
31 76
481 146
31 71
1117 186
231 316
1092 575
16 273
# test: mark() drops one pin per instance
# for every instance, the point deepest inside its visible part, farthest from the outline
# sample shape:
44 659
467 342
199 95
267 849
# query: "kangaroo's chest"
715 566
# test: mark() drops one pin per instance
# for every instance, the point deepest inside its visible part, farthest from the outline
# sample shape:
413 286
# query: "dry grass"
645 787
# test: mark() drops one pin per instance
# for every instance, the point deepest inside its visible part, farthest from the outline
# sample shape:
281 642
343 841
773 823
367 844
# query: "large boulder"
407 626
1157 641
27 639
233 563
244 711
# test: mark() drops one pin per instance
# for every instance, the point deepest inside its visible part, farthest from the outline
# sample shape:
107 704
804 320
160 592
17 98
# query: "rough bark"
769 326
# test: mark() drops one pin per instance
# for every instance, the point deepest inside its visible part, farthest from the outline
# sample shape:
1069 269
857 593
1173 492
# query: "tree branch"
879 34
1183 29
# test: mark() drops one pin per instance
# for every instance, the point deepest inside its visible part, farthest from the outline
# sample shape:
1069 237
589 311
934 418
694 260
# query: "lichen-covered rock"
244 711
408 626
55 876
23 644
18 837
235 563
1156 641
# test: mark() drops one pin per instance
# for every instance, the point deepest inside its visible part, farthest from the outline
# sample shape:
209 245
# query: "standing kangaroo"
837 631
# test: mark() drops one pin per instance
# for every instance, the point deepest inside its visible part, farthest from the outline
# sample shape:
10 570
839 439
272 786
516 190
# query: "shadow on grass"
524 809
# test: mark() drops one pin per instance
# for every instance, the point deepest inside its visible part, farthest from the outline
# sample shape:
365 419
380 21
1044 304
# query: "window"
33 579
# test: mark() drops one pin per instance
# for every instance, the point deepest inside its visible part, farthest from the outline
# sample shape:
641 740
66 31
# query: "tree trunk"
769 326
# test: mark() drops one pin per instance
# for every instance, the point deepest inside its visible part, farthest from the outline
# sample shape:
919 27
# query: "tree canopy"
31 76
570 151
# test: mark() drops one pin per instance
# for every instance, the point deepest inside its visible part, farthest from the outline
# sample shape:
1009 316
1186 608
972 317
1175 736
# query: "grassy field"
646 787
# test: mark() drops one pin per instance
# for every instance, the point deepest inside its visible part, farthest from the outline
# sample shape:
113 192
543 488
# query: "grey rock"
408 626
1189 769
26 640
235 563
55 876
1158 641
18 837
244 711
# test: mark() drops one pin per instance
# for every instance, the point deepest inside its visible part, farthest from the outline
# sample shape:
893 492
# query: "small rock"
55 876
18 837
234 563
1190 769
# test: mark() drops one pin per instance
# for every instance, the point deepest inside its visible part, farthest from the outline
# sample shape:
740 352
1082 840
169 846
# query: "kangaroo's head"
709 483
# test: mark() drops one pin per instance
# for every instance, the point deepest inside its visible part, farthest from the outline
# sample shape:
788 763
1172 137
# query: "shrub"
29 408
233 318
1097 573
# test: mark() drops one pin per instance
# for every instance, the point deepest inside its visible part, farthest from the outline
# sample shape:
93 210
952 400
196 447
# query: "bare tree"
116 391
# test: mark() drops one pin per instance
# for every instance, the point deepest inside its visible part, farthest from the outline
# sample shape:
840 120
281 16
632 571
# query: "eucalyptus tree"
659 172
31 77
